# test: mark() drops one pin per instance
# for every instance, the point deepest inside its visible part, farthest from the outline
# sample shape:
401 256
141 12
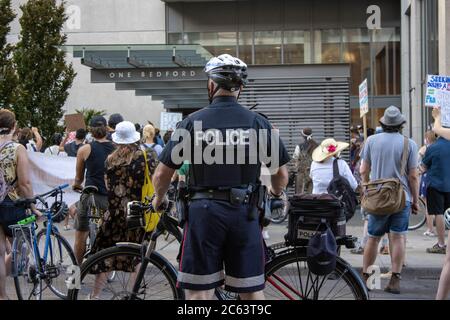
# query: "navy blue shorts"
221 245
10 215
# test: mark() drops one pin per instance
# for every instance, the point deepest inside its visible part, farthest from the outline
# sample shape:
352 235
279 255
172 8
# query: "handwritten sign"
169 120
438 95
363 99
74 122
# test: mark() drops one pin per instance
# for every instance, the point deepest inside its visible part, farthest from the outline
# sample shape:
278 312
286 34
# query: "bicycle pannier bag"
386 196
308 211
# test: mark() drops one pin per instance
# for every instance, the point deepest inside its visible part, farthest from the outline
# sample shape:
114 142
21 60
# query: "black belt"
223 195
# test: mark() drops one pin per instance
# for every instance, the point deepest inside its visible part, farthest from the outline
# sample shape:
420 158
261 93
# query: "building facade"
392 44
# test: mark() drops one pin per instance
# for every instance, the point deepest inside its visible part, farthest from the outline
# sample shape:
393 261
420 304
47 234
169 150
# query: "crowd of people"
423 174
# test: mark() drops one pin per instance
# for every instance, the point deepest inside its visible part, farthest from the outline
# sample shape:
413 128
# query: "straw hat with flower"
327 149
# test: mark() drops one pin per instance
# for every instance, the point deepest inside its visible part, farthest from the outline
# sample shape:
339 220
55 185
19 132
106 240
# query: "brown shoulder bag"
384 197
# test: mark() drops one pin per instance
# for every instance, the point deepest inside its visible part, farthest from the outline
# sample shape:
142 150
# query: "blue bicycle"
34 272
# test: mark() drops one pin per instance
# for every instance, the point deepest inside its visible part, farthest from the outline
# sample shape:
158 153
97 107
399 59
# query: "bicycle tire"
345 272
62 243
422 213
23 269
280 218
162 265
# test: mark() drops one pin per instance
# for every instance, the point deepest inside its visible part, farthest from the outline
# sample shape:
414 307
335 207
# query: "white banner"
48 172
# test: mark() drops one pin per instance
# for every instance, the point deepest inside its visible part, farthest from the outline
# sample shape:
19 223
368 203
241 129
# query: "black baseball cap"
97 121
321 253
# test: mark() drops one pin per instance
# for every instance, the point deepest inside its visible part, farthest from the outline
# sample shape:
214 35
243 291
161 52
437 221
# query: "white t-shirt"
322 174
54 151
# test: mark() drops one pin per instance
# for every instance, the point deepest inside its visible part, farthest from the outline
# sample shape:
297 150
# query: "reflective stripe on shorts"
245 282
200 279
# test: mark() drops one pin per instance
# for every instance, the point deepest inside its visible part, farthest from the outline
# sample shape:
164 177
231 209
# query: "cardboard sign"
363 99
169 120
74 122
438 95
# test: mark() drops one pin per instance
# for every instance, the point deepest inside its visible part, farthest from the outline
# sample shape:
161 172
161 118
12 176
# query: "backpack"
341 189
5 188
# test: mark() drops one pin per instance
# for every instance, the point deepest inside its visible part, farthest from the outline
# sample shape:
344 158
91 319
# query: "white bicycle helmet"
227 71
447 218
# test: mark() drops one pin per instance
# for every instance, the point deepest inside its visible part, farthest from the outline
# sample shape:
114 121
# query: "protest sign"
363 99
438 95
74 122
169 120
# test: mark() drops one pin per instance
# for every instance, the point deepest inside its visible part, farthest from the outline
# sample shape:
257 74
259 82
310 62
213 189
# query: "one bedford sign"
149 74
363 99
438 95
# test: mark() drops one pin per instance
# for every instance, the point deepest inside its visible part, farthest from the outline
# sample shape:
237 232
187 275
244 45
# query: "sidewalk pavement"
419 278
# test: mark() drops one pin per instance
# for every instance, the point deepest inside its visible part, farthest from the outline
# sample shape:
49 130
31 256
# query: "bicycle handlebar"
27 202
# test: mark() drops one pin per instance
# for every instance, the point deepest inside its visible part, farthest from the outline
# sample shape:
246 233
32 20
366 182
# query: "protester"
124 181
15 175
430 138
444 280
149 133
322 166
158 139
55 149
167 136
91 163
113 120
303 159
31 139
382 158
72 148
435 164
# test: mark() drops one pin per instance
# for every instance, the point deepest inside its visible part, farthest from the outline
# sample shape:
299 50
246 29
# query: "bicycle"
416 221
30 269
153 276
280 215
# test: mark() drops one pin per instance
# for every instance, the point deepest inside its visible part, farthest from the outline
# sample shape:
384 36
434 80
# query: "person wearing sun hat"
322 165
125 169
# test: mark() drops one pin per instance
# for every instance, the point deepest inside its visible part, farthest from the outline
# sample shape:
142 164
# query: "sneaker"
437 249
359 250
265 235
67 228
386 275
384 250
429 234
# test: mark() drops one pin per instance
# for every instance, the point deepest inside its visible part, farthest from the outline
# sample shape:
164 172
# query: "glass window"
297 47
175 38
356 52
268 47
327 46
216 43
386 60
245 47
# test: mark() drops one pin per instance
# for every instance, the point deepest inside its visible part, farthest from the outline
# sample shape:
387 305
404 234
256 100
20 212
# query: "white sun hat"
125 133
327 149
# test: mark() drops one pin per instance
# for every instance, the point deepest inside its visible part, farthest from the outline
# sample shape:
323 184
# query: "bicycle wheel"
59 259
416 221
288 277
27 280
158 283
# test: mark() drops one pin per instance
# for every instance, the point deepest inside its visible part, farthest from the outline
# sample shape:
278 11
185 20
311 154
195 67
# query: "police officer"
225 144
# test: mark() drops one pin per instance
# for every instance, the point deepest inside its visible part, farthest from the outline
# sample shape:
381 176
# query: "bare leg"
199 295
79 247
3 240
100 281
370 252
440 229
430 226
8 256
444 281
258 295
397 243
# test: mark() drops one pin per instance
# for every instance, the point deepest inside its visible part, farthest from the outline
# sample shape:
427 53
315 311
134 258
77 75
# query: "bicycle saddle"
90 189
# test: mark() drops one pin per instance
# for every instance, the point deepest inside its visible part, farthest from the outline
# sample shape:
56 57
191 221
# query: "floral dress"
124 184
